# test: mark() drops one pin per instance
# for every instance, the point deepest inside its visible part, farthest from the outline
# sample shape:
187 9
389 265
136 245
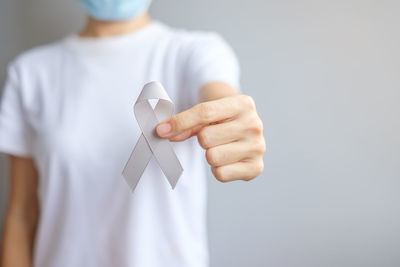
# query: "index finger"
203 114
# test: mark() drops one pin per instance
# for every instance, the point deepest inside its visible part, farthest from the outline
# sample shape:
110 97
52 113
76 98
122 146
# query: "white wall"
325 77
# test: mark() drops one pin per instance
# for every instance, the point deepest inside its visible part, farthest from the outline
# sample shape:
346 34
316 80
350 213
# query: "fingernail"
163 129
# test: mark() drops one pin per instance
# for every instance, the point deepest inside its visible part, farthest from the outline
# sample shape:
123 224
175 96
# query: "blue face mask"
115 10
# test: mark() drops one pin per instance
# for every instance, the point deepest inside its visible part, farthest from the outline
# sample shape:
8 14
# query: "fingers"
219 134
186 134
233 152
229 129
238 171
204 114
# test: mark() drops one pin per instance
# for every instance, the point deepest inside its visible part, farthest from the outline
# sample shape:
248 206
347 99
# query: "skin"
225 123
227 126
22 214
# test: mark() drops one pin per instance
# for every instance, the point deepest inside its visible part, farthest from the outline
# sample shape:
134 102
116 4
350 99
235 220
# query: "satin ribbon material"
150 143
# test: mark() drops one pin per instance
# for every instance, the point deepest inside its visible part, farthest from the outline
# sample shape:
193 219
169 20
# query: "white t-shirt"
69 106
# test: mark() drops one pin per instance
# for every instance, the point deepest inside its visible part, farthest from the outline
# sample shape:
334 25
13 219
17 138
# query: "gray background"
326 78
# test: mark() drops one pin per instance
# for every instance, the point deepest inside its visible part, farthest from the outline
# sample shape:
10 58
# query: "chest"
86 113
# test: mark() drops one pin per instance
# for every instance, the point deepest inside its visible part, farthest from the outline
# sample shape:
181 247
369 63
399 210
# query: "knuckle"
247 101
212 157
256 125
205 111
204 139
258 167
219 175
177 123
259 146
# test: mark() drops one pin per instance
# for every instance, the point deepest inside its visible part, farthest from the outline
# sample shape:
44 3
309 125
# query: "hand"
229 129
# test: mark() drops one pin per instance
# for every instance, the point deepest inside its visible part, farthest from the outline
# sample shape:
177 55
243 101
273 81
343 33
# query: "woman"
66 121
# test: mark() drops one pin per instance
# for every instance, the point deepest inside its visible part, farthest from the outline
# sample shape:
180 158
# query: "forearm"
18 238
22 215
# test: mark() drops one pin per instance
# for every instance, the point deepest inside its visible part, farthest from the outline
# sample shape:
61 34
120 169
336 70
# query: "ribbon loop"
150 143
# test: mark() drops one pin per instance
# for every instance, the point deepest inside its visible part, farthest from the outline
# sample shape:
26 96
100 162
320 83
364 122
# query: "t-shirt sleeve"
15 133
211 59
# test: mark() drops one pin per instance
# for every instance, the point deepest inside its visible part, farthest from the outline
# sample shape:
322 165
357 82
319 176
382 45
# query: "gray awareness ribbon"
150 143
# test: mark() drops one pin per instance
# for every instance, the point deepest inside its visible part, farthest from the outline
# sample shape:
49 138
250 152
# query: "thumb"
184 135
181 124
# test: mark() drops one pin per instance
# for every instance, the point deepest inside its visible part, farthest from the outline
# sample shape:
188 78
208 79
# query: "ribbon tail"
168 162
137 162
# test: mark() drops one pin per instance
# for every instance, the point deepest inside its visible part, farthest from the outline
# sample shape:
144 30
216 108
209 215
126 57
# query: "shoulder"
32 67
38 58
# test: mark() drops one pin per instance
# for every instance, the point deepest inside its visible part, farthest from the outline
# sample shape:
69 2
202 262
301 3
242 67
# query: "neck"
98 28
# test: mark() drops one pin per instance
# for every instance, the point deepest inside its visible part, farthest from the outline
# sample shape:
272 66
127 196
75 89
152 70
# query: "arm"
228 127
22 214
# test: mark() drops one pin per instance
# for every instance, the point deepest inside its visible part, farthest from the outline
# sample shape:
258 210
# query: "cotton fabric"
69 106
